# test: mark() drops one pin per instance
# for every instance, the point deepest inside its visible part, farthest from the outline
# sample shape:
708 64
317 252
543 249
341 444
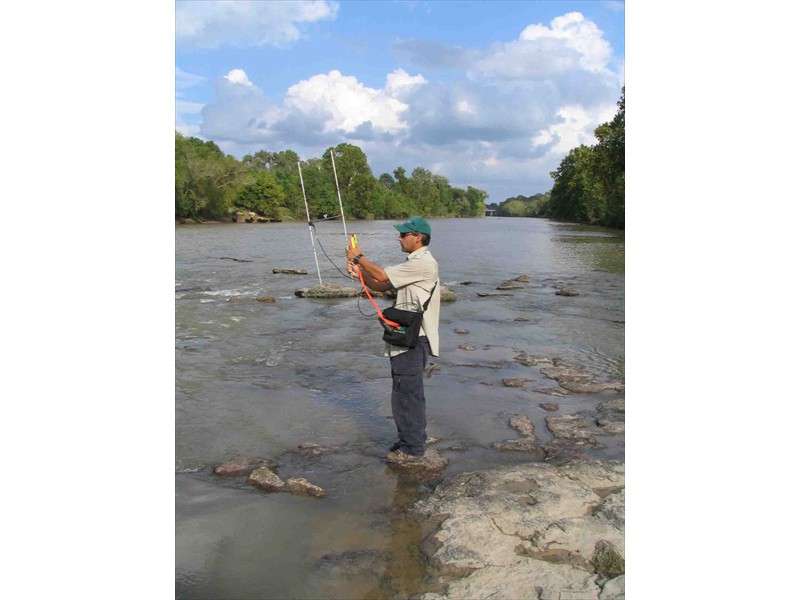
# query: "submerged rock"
575 428
577 381
242 465
513 382
566 292
527 443
510 285
549 406
291 271
269 299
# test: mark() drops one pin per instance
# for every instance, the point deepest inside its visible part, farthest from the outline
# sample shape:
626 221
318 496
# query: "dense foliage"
211 185
589 184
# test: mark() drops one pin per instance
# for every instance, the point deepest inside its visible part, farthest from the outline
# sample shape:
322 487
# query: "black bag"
410 323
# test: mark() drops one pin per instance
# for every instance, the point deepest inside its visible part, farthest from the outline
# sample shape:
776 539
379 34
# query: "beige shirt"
413 281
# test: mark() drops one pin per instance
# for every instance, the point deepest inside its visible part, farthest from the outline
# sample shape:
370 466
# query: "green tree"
206 180
356 182
264 196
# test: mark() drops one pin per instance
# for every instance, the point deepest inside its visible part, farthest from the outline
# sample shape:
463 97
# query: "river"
257 379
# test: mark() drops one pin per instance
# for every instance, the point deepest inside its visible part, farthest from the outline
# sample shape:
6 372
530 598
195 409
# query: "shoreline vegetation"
210 186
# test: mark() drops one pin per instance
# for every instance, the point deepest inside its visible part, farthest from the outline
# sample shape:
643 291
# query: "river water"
257 379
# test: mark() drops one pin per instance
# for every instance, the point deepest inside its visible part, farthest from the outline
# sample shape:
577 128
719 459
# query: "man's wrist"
357 258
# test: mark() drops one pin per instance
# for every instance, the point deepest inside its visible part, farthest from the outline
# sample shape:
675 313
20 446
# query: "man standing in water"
414 281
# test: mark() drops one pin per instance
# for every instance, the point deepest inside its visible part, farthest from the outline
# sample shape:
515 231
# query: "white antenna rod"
341 208
310 226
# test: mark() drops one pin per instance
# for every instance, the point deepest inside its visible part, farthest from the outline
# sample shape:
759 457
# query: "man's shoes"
394 447
399 457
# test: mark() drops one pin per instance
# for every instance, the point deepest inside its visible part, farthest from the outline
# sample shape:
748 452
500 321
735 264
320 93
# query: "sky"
488 94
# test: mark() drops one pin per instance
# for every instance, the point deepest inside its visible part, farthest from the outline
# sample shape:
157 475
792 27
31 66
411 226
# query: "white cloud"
246 23
238 76
575 127
577 33
349 103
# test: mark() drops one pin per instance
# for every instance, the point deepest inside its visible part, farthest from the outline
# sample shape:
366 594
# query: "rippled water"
260 378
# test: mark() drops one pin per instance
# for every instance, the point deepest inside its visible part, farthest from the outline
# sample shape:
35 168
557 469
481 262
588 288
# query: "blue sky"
488 94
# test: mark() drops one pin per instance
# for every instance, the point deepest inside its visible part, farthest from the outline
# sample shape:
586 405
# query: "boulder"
447 295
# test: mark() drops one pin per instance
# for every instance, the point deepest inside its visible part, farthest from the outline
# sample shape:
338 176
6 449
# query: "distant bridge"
489 213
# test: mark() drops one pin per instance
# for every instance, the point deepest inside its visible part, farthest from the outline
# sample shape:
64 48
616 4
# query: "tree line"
589 184
210 185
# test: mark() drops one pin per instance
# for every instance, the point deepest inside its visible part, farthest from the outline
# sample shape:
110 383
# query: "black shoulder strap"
425 306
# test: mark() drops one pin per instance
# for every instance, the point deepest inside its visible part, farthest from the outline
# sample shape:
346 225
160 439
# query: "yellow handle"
353 241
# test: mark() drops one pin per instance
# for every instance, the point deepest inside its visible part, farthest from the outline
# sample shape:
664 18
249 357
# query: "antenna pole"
341 208
310 225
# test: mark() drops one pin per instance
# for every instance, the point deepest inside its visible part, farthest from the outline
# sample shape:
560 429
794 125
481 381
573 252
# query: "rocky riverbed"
549 528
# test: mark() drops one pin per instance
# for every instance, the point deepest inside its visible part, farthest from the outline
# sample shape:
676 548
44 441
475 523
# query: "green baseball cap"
414 224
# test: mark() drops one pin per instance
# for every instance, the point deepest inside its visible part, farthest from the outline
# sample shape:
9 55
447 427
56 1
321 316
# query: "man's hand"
352 253
352 269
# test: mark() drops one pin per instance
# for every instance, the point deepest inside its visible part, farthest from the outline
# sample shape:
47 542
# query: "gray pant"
408 397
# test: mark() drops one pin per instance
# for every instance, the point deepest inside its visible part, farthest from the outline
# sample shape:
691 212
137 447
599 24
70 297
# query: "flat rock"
526 531
268 299
530 360
575 428
591 387
526 444
510 285
326 290
460 330
549 406
566 292
466 347
513 382
291 271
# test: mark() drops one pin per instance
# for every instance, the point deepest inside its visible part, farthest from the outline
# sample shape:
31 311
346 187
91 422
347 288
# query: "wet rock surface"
431 466
290 271
528 531
326 290
242 465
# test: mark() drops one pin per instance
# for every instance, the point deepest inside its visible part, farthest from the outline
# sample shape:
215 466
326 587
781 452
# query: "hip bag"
407 334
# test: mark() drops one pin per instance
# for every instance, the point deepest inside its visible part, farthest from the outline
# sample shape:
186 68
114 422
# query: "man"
414 281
